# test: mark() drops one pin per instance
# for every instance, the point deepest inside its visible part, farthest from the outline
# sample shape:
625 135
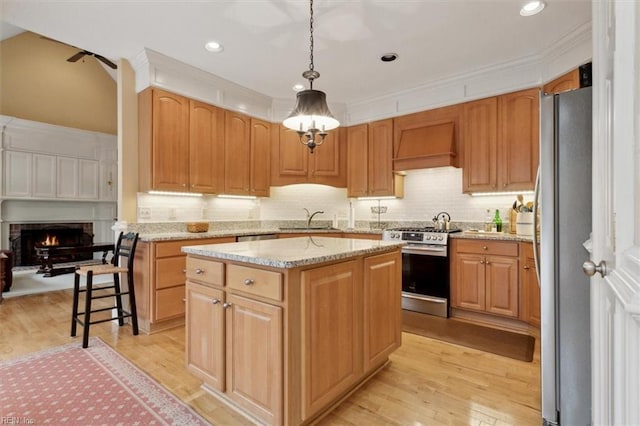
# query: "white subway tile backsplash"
427 192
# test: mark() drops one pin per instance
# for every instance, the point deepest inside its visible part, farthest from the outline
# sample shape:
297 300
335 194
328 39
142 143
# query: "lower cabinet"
283 346
484 276
529 286
159 278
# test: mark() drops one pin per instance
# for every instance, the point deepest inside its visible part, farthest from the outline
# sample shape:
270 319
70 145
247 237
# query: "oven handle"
425 251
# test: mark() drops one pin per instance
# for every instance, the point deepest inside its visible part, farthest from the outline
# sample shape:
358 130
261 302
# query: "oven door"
425 281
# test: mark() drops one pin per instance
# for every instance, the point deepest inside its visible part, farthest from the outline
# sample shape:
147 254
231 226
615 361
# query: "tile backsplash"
427 192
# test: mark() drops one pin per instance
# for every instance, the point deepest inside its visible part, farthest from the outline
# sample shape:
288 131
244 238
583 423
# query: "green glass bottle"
498 221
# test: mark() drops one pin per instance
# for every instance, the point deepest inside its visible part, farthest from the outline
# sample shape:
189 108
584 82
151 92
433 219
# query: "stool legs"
76 294
132 303
116 284
87 310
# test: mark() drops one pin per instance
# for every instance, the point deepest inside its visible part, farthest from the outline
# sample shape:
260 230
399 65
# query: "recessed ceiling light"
532 8
214 46
298 87
389 57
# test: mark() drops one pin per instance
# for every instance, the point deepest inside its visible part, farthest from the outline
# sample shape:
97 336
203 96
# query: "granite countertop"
498 236
292 252
171 236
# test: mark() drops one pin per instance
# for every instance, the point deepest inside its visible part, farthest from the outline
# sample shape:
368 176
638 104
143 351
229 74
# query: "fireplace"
26 237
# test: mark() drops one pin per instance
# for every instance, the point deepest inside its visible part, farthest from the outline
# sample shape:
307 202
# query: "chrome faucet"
311 215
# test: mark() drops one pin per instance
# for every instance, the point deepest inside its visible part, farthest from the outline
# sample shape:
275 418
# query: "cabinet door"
326 161
529 291
67 177
237 145
170 147
291 158
260 151
468 286
380 156
17 173
254 357
357 161
332 333
88 179
519 140
205 334
502 285
44 176
206 148
382 307
480 139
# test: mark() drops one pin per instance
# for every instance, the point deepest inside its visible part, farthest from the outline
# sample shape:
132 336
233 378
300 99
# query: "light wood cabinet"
224 334
362 236
159 277
283 345
501 142
247 152
382 308
292 162
529 287
564 83
180 143
484 276
370 164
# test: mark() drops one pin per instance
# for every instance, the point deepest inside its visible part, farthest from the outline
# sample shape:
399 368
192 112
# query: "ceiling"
266 42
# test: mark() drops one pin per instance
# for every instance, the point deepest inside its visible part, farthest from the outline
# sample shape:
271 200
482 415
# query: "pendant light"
311 117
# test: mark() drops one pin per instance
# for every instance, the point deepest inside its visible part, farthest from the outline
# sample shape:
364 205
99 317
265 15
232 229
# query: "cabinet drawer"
169 303
170 272
205 271
255 281
501 248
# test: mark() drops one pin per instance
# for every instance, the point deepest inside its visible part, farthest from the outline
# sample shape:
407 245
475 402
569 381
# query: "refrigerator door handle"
536 243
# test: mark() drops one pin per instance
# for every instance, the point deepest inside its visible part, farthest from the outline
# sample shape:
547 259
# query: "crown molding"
157 70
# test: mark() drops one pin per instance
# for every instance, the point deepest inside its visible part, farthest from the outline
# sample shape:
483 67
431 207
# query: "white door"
615 299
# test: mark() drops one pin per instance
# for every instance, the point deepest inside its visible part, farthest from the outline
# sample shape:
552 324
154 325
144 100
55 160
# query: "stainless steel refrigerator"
563 197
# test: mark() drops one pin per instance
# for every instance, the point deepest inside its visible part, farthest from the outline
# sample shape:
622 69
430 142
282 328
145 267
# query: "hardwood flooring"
428 382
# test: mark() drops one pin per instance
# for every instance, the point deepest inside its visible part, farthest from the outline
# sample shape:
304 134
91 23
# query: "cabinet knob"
482 262
215 301
485 248
248 281
184 271
226 305
199 271
527 267
486 262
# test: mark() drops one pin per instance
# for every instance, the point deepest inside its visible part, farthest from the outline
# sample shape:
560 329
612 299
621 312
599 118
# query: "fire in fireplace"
26 237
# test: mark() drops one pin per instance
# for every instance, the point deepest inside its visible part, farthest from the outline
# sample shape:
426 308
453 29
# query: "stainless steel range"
425 268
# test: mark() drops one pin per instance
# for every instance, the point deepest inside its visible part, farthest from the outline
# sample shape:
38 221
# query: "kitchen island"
284 330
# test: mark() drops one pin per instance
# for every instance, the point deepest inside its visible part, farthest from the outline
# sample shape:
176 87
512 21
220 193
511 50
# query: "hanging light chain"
311 36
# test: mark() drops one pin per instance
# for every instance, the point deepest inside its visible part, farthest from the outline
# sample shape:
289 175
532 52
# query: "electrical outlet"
172 214
144 213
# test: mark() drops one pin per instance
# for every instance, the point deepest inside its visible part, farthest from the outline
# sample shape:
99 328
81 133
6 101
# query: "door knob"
590 268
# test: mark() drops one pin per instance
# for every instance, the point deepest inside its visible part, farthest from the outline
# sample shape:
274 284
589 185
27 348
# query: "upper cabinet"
180 143
427 139
501 142
564 83
247 151
292 162
370 161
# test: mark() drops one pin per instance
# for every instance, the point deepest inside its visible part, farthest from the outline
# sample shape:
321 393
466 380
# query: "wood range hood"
427 139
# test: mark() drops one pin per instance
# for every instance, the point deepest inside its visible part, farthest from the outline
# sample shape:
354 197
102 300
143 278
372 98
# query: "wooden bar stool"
125 248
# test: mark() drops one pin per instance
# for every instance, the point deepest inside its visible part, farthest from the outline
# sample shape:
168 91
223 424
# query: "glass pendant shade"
311 112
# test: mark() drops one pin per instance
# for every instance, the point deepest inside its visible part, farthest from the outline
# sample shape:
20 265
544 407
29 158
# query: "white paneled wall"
427 192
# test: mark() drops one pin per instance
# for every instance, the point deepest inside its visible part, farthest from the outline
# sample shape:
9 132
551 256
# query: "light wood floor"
427 382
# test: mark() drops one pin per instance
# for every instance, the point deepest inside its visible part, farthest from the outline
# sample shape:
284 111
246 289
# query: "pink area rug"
94 386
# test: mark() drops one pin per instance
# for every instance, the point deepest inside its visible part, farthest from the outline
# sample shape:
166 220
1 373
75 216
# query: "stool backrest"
125 247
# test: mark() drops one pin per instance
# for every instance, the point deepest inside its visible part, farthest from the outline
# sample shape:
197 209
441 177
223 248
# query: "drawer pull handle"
215 301
226 305
248 281
526 266
199 271
484 247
